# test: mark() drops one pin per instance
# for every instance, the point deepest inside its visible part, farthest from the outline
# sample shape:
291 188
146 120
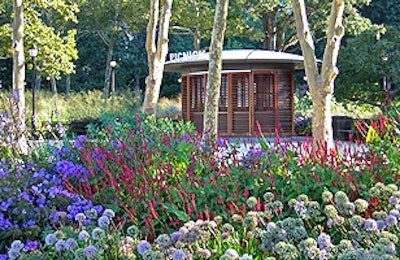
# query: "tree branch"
306 41
162 43
329 71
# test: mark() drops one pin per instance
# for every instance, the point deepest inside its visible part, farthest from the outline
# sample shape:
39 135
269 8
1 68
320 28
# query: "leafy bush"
382 135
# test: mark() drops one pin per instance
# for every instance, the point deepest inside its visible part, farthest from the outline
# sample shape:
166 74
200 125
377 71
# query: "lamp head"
33 51
113 63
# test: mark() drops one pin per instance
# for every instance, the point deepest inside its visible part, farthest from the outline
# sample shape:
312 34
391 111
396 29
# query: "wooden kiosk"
256 85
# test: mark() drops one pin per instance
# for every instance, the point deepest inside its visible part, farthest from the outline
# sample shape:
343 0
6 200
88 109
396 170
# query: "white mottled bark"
156 52
321 83
18 77
210 121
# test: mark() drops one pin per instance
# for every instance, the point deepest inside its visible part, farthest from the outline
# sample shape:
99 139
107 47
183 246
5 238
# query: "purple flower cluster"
70 169
82 206
27 192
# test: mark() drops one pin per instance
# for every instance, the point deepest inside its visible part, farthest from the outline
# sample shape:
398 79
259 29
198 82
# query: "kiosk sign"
184 55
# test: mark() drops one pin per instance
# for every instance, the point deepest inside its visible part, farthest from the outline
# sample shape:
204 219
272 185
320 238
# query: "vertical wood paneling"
276 98
264 96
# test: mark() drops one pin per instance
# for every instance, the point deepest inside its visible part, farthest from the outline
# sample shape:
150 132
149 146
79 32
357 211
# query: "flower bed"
178 194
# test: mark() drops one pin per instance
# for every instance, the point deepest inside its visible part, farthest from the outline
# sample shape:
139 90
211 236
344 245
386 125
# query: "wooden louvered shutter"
286 102
264 101
223 105
240 103
197 99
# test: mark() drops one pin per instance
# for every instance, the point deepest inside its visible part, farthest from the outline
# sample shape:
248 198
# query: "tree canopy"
57 48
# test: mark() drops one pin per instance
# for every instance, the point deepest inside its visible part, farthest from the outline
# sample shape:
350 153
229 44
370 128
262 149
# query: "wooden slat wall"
185 100
264 101
240 103
223 104
285 102
245 98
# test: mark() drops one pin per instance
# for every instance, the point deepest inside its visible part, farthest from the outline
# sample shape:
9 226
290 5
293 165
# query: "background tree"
110 21
210 123
370 61
157 49
321 82
19 70
273 23
192 17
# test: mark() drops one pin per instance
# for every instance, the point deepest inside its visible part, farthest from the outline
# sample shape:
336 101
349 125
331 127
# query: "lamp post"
33 52
113 63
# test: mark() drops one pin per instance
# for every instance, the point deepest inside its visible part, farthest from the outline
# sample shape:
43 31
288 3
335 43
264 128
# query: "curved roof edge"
182 61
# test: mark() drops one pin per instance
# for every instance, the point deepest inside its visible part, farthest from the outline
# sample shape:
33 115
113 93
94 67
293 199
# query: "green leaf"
181 215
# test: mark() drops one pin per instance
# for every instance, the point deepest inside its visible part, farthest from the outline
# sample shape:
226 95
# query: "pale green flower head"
98 234
341 197
218 219
303 197
59 234
277 205
392 187
164 240
313 209
237 218
92 214
361 205
327 196
286 251
253 214
388 235
246 257
292 203
344 245
227 228
396 194
331 211
251 202
348 208
268 196
357 222
378 190
133 231
379 215
307 243
250 222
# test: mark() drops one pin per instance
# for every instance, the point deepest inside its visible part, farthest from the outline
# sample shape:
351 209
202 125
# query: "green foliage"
56 48
334 226
82 105
364 62
383 12
382 135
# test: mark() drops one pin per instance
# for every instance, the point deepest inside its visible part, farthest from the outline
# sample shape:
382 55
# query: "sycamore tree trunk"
67 85
107 74
18 77
210 123
321 82
156 52
53 82
269 26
